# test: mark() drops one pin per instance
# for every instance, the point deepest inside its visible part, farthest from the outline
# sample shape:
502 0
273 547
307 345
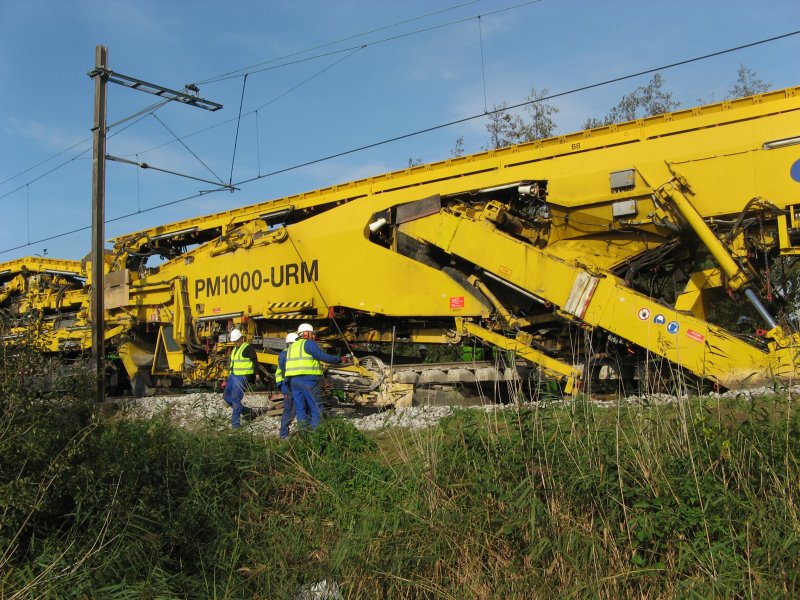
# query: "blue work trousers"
307 391
233 395
288 409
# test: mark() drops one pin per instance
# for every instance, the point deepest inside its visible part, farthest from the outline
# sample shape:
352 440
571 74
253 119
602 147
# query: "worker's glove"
345 360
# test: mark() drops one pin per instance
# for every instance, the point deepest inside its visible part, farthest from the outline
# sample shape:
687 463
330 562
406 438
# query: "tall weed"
568 500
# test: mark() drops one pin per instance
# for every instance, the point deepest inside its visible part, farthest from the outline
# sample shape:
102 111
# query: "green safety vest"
241 365
278 371
300 362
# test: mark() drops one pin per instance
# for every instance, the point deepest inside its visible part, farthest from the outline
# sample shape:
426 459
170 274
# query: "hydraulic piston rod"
750 295
737 277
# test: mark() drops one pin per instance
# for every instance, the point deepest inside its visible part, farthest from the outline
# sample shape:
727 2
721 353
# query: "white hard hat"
292 337
305 327
235 335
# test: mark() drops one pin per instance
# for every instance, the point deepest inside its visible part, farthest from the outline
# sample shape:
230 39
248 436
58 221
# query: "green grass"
692 500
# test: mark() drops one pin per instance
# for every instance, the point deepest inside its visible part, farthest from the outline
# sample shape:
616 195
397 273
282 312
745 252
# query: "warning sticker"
697 337
644 313
457 302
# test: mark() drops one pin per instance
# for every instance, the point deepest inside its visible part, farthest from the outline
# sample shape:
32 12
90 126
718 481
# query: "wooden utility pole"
98 217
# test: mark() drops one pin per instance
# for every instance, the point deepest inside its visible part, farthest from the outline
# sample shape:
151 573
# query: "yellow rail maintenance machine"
622 254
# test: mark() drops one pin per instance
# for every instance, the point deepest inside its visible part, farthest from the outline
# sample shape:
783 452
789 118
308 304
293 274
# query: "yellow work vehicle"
619 254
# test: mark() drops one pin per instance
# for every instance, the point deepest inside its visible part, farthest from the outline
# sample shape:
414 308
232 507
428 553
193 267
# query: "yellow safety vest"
279 371
300 362
241 365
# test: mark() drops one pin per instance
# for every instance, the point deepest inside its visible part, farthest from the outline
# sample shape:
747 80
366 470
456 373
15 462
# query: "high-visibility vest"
300 362
241 365
278 370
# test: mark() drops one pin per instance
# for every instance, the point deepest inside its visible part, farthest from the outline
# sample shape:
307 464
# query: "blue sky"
317 87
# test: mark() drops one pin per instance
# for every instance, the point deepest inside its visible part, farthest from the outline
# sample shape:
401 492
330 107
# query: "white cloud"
40 133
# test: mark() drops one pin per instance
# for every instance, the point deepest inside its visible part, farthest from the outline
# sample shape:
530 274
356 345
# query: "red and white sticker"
457 302
697 337
644 313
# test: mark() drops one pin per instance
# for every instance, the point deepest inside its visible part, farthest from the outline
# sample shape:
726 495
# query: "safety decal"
697 337
795 171
673 327
644 314
457 302
659 319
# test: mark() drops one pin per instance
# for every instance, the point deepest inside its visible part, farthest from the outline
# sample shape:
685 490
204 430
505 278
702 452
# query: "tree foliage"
506 128
644 101
458 148
747 84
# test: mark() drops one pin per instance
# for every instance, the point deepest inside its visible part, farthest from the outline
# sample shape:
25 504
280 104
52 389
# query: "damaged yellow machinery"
605 255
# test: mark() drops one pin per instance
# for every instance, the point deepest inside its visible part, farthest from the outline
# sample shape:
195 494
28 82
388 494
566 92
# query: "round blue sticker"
659 319
795 171
672 327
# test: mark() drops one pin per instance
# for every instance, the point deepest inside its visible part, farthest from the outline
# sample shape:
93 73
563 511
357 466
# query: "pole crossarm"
144 165
155 89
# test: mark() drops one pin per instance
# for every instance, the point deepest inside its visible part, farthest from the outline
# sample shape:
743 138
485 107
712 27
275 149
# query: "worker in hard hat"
243 369
304 371
283 384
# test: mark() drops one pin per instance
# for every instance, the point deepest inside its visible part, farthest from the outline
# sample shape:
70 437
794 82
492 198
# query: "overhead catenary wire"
159 104
143 112
45 174
150 110
241 71
351 51
483 67
521 104
45 161
28 209
66 162
381 41
238 122
115 219
260 107
445 125
209 169
258 144
138 188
